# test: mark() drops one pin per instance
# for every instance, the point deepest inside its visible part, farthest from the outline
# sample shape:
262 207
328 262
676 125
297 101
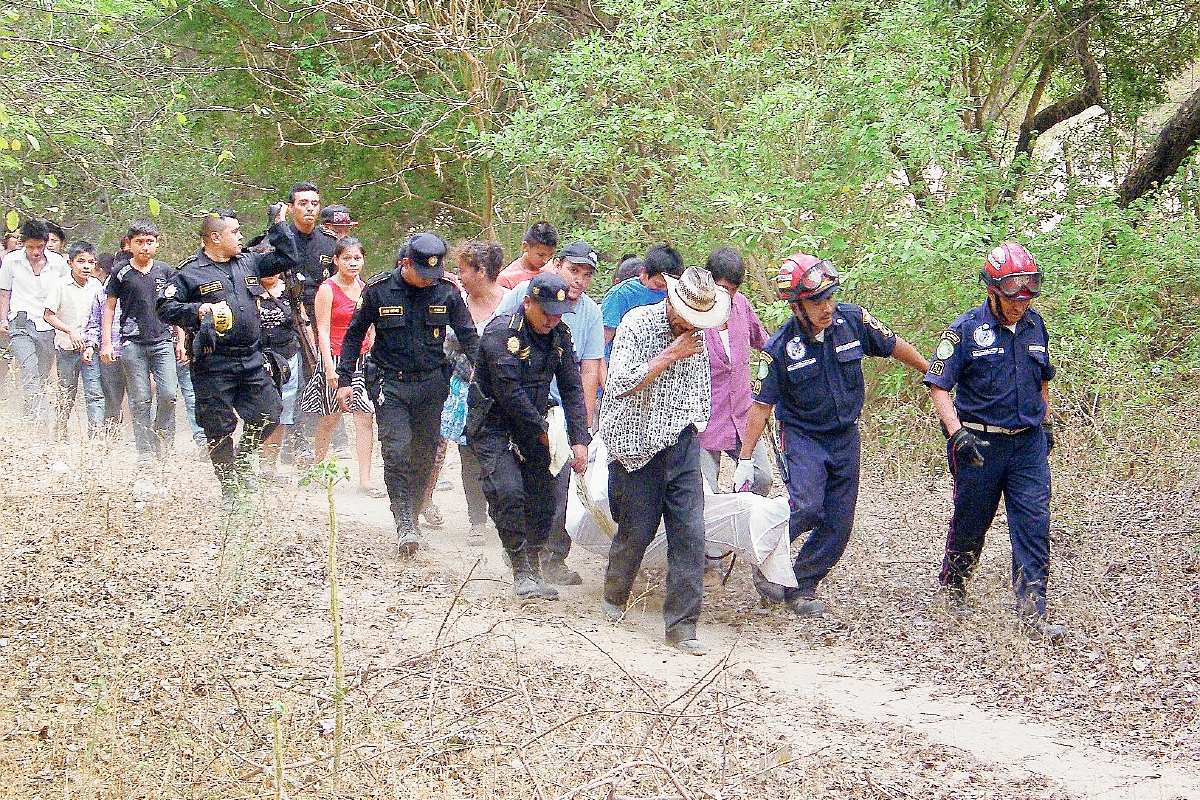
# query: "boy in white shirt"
67 309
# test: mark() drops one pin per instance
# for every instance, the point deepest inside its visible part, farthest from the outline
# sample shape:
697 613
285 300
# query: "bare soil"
153 648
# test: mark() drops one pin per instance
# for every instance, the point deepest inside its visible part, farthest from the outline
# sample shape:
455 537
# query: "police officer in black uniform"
214 298
519 354
410 307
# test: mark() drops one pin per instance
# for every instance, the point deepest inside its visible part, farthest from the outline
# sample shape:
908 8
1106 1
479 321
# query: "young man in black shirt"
149 343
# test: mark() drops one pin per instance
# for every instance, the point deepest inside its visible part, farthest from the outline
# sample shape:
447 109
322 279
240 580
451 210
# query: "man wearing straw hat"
658 392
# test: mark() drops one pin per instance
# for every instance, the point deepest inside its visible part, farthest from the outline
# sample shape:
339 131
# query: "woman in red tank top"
335 303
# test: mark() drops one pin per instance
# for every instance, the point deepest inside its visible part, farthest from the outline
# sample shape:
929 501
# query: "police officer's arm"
364 317
909 356
522 418
756 423
286 254
943 403
464 327
574 397
173 305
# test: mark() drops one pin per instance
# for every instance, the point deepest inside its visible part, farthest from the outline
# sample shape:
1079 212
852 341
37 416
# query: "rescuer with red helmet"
810 375
996 357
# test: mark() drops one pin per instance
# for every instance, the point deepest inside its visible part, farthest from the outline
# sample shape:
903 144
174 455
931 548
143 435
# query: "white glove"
743 476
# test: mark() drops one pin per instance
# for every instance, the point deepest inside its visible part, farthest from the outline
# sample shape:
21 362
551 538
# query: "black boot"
547 591
408 536
525 585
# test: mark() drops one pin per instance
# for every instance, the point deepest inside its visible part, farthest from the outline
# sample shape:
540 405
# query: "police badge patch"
795 349
944 349
936 368
984 336
513 345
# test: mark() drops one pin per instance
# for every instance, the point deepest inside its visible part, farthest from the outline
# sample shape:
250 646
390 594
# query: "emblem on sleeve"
944 349
170 292
951 336
513 345
935 369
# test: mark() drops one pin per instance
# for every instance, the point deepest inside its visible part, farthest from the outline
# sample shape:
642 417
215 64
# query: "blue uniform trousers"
822 493
1016 467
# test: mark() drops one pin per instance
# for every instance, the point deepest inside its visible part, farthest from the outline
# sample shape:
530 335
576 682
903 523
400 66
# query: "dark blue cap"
427 251
549 291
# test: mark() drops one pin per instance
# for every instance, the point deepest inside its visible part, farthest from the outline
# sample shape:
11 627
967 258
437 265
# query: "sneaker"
556 571
806 607
956 600
611 612
433 516
1038 628
478 535
409 543
525 588
771 593
693 647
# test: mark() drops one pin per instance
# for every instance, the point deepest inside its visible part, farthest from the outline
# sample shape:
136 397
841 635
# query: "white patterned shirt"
636 427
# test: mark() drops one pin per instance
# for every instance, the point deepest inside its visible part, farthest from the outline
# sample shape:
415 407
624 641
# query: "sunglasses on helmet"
1012 285
817 275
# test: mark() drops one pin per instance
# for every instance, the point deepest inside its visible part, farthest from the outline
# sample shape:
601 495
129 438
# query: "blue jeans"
189 401
71 368
139 361
112 382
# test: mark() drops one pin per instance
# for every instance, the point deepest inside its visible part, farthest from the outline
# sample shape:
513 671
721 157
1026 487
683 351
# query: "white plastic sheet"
754 527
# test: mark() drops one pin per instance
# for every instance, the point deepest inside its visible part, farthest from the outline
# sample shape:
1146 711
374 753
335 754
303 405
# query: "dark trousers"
1017 468
472 480
228 387
519 492
112 381
670 489
558 542
409 417
822 494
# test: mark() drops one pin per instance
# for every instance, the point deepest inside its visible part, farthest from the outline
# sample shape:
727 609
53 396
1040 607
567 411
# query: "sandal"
372 491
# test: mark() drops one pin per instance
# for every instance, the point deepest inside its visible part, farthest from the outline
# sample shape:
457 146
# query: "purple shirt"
730 375
91 331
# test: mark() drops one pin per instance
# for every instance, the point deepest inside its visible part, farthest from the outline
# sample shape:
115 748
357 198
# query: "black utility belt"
411 377
982 428
237 351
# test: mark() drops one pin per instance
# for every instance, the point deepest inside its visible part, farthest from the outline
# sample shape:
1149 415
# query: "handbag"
315 396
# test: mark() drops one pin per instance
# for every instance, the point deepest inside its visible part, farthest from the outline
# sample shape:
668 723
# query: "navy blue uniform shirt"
998 372
815 385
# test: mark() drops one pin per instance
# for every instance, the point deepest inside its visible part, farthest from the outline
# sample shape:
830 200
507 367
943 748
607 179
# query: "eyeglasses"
1012 285
818 275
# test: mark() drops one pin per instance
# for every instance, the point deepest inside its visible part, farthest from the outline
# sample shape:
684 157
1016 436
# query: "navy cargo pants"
822 494
1016 467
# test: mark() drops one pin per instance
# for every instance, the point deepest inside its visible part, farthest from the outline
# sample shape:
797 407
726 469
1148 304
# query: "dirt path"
796 676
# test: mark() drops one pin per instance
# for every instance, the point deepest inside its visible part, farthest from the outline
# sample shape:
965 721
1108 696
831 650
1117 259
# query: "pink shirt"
730 376
516 273
339 318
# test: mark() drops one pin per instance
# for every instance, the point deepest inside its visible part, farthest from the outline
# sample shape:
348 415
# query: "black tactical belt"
979 426
412 377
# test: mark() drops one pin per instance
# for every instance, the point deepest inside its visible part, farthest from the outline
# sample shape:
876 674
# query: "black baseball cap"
580 253
550 292
427 251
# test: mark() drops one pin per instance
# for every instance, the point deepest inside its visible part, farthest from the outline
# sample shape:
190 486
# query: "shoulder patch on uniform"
170 291
209 288
951 336
936 368
876 324
944 350
391 311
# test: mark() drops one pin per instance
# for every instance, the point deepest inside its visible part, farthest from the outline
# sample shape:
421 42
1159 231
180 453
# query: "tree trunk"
1162 159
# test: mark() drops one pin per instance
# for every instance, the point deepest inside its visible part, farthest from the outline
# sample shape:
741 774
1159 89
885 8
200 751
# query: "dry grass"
146 657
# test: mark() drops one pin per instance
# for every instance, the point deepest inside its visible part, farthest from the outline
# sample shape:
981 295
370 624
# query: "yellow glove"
222 317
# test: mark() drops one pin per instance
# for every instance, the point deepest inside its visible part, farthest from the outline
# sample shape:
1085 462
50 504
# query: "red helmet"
1011 271
805 277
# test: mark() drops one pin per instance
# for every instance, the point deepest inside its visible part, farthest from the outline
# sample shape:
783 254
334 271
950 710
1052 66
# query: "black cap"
580 253
427 251
336 215
550 292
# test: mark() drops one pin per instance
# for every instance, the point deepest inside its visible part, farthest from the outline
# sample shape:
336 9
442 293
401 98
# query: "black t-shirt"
138 292
278 330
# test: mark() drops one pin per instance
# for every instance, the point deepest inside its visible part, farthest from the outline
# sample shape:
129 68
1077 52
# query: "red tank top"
339 319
